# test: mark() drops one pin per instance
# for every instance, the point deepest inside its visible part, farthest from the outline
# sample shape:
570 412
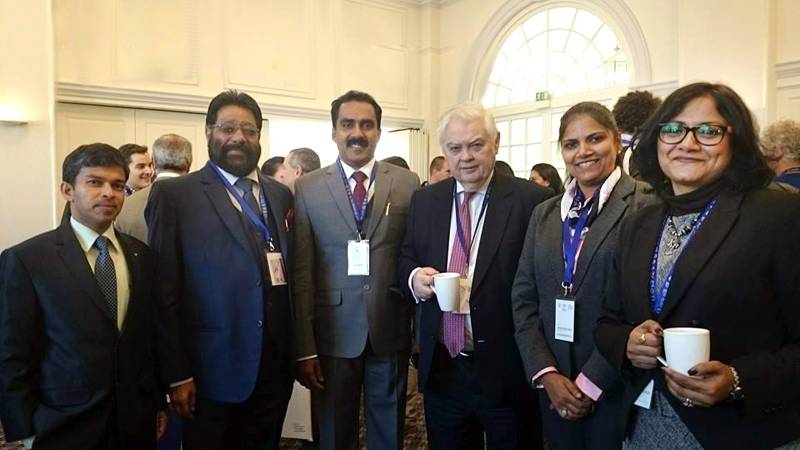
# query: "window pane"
534 129
502 154
586 23
518 159
517 132
488 96
502 128
535 25
534 155
561 17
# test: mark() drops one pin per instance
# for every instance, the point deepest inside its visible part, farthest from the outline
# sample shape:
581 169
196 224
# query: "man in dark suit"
77 350
474 224
224 309
353 327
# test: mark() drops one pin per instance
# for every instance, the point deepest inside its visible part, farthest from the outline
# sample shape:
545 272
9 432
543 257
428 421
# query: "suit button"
260 324
474 307
366 287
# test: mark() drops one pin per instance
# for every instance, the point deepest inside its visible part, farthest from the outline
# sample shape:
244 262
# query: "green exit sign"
542 95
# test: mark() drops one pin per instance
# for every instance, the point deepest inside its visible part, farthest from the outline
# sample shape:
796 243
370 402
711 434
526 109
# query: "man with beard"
353 325
224 309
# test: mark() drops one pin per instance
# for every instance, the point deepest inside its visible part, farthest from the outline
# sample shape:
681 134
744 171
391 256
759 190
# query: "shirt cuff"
305 358
182 382
28 442
411 286
536 379
588 388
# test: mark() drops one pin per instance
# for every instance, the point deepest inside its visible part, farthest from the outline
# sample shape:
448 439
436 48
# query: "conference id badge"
565 319
276 269
358 258
464 292
645 397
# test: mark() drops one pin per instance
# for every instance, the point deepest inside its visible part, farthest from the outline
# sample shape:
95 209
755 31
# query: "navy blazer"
426 244
63 362
214 299
739 277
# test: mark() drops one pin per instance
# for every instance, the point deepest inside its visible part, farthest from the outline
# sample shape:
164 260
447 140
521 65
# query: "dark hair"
502 168
129 150
304 157
92 155
632 110
550 174
396 161
599 114
436 164
271 165
747 169
355 96
233 97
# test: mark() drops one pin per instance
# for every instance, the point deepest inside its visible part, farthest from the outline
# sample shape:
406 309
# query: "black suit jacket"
63 362
426 244
739 277
215 302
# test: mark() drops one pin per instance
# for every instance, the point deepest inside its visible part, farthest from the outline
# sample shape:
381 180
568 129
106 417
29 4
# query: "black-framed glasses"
230 128
705 133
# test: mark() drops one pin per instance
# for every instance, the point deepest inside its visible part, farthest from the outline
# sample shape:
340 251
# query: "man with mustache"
224 305
353 327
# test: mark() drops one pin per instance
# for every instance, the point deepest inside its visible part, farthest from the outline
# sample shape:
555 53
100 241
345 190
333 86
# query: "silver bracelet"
736 390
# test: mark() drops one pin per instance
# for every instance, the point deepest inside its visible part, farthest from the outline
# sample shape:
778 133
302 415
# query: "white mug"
445 286
686 347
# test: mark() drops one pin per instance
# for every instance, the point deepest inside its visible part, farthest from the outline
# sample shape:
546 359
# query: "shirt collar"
482 190
232 179
167 174
366 168
86 236
605 192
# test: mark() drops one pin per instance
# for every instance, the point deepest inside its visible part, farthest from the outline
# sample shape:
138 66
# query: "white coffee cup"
686 347
445 286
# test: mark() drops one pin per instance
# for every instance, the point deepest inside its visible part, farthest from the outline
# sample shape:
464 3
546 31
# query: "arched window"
553 59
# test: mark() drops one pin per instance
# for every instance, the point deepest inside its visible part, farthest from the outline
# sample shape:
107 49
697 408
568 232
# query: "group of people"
563 294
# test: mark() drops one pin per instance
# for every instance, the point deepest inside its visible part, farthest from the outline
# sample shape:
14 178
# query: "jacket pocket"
329 298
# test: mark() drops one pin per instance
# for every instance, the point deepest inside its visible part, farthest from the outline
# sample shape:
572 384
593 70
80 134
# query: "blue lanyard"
462 240
246 209
659 296
359 211
572 243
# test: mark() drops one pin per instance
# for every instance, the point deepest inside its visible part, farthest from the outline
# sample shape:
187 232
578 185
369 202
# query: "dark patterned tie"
246 186
452 323
360 192
106 275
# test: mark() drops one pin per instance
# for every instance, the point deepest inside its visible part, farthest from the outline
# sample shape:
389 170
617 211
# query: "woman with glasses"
566 256
719 254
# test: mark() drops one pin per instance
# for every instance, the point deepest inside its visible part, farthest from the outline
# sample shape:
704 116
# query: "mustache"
357 141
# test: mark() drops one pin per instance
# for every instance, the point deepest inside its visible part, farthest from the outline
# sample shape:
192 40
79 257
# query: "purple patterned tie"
360 192
453 324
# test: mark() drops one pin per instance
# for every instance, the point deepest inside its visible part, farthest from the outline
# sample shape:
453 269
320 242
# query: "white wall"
27 152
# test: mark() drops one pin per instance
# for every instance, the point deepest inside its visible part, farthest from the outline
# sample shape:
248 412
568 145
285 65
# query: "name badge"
358 258
276 268
645 397
565 319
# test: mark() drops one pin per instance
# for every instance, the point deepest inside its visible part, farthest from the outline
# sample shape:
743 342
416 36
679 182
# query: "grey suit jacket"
336 313
131 219
538 283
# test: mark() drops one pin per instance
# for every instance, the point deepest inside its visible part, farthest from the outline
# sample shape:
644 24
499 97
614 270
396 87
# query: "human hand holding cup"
446 287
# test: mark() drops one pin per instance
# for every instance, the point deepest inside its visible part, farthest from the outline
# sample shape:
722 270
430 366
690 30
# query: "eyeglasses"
230 128
705 133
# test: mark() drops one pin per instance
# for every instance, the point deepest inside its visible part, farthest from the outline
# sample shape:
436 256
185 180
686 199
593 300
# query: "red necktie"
360 192
453 324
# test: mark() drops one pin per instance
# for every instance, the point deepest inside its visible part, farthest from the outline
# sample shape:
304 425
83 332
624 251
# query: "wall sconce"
11 116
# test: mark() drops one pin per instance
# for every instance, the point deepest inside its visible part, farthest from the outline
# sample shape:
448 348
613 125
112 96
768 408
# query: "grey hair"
464 112
782 135
307 159
172 152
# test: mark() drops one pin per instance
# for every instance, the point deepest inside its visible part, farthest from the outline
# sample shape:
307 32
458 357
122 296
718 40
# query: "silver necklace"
676 235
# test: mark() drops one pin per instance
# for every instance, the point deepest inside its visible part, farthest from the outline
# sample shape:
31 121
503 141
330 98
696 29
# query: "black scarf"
695 201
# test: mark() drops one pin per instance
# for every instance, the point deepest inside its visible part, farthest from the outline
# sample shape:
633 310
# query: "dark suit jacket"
739 277
426 244
214 299
63 362
539 278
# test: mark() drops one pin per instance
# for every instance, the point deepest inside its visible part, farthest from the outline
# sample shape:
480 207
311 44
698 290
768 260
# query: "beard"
219 154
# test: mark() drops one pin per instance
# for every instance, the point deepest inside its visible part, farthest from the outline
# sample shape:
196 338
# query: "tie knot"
101 243
245 184
468 195
359 176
